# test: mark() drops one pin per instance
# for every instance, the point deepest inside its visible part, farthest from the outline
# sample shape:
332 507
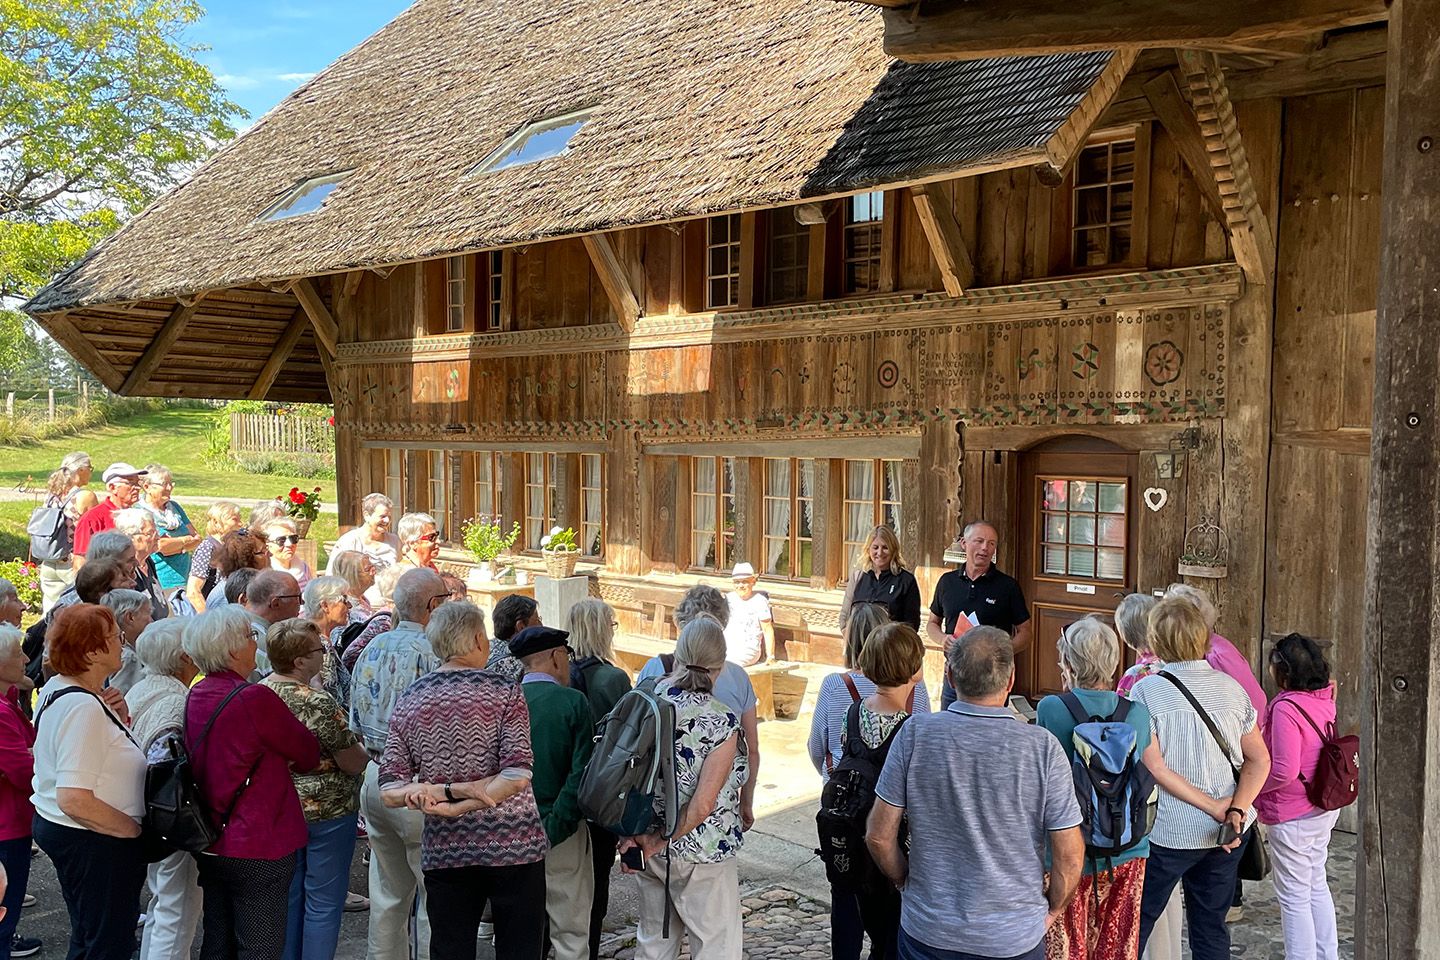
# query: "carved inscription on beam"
1249 228
947 243
1073 133
154 354
1174 113
283 348
326 330
613 279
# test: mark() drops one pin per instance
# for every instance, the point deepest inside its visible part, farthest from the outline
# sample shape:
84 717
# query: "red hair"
77 632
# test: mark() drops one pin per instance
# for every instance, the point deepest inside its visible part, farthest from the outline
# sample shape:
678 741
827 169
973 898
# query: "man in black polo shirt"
977 588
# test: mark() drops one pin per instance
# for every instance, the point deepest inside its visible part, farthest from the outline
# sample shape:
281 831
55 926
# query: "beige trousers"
54 578
569 891
1164 943
706 908
395 877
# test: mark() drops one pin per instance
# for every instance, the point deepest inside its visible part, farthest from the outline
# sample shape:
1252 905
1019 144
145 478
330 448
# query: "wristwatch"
1228 811
450 795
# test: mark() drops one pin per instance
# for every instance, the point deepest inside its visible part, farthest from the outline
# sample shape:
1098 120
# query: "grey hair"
412 525
589 624
865 618
1197 598
385 582
123 602
413 592
980 662
265 586
75 462
1132 620
213 637
701 599
700 649
373 502
970 528
110 545
1090 650
11 639
279 523
7 590
320 591
262 513
348 565
455 629
159 647
154 470
132 521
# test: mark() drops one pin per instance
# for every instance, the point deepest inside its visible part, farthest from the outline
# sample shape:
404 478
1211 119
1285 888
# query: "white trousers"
175 910
54 578
395 877
569 891
706 908
1164 942
1298 851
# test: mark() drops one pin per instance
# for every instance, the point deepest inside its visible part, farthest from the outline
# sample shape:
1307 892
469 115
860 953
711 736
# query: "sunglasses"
430 537
288 540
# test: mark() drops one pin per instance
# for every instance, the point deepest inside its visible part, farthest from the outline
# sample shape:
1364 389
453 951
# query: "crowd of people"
371 700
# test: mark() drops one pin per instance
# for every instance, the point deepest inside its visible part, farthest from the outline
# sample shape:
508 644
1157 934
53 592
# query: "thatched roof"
698 108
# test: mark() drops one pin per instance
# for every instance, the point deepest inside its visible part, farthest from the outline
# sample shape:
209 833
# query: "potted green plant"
302 507
486 538
561 551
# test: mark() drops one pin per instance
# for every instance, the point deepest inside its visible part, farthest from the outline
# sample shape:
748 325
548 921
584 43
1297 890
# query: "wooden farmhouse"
726 282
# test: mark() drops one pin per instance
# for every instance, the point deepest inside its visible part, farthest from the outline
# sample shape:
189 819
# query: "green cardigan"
562 734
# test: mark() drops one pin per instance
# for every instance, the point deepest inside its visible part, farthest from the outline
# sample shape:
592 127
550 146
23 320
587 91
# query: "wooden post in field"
52 403
1398 892
10 405
84 394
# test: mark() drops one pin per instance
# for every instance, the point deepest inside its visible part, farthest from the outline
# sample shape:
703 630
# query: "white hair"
7 590
412 525
413 592
284 524
373 502
320 591
453 629
156 473
1198 599
159 647
385 582
124 602
11 639
110 545
132 522
213 637
1091 652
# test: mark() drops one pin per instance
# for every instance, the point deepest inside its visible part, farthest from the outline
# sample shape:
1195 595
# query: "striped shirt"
1189 749
827 724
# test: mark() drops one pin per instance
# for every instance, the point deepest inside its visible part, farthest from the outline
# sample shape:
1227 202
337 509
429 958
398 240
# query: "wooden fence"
265 433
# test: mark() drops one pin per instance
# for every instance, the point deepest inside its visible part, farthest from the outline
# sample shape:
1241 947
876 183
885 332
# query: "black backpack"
352 630
845 806
580 672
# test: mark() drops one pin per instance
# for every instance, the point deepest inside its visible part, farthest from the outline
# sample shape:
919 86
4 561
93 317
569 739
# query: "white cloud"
296 77
239 81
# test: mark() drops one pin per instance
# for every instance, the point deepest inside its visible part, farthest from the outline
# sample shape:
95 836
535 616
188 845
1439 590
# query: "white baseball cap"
742 571
117 470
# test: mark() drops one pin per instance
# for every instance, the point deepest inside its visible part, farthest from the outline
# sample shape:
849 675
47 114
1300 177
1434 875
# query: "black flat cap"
537 640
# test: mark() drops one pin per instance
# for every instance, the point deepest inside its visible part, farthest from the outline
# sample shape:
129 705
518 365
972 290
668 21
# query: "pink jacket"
1224 657
1294 752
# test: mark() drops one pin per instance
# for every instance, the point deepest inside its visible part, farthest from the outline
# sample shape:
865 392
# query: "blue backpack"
1118 796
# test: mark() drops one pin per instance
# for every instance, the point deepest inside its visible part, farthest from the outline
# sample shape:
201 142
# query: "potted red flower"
303 507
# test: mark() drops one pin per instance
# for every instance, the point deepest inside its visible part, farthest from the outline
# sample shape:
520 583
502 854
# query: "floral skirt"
1102 921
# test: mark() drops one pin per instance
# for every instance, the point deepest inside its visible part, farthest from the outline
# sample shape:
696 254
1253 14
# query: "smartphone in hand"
634 858
1228 835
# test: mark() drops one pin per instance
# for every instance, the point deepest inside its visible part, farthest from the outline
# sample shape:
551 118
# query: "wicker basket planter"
560 564
302 527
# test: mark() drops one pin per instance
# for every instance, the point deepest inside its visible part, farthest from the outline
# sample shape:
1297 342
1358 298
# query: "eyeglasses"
288 540
430 537
288 596
442 597
314 650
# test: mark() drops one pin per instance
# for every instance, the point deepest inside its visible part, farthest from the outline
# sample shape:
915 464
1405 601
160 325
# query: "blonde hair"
1198 599
63 479
591 634
882 532
1178 632
216 516
892 655
288 640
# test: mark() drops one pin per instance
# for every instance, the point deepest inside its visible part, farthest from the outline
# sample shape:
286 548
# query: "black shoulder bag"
1254 858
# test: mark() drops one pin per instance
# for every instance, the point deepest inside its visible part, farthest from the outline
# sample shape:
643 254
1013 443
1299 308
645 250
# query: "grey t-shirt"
982 791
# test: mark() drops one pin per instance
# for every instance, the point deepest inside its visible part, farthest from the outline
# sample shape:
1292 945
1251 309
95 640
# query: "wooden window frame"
550 467
724 558
1064 211
396 458
1040 542
585 519
877 503
792 536
495 293
459 316
875 227
734 261
495 508
800 234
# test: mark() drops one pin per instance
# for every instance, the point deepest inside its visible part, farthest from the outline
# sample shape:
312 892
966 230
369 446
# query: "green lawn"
175 438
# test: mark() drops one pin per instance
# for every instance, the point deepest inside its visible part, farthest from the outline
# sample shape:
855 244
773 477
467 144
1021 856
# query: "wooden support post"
50 402
1250 232
154 354
947 243
299 323
1179 121
1398 893
614 279
327 333
1073 133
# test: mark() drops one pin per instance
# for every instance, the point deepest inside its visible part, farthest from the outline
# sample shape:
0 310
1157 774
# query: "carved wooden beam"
352 282
299 323
154 354
327 332
947 243
1175 115
1073 133
612 277
80 347
1250 232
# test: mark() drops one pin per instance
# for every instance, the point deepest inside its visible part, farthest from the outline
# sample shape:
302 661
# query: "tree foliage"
103 106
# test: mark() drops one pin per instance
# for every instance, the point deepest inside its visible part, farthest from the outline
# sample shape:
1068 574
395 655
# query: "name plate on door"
1088 588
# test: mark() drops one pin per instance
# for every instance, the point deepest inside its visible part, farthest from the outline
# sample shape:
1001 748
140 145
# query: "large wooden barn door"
1077 502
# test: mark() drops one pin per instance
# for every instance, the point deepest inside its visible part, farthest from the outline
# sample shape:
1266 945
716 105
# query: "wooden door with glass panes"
1077 502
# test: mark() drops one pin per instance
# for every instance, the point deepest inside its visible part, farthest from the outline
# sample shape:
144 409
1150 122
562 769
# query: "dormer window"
537 141
308 197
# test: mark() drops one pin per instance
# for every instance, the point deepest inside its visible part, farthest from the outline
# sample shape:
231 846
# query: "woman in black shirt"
883 579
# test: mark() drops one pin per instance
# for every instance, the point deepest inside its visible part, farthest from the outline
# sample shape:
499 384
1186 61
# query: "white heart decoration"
1156 497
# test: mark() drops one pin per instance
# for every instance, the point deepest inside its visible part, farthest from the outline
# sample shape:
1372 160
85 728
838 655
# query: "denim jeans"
317 890
1208 878
908 948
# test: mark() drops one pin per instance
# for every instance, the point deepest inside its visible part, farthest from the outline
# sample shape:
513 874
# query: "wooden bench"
632 653
660 602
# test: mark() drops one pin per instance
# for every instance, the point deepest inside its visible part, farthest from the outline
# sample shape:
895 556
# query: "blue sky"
260 50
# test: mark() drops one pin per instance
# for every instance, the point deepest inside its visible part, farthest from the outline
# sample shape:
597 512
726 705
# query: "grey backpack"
49 533
631 774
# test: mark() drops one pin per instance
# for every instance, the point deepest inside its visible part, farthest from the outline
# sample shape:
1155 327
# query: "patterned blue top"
702 724
387 666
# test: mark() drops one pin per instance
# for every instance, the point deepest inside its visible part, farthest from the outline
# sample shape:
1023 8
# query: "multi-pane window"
1083 527
439 491
394 477
863 216
1103 204
722 261
486 470
872 498
712 512
454 294
788 525
788 267
592 505
541 496
494 288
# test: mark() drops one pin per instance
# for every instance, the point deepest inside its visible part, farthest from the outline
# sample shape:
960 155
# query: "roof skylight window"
536 141
306 198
